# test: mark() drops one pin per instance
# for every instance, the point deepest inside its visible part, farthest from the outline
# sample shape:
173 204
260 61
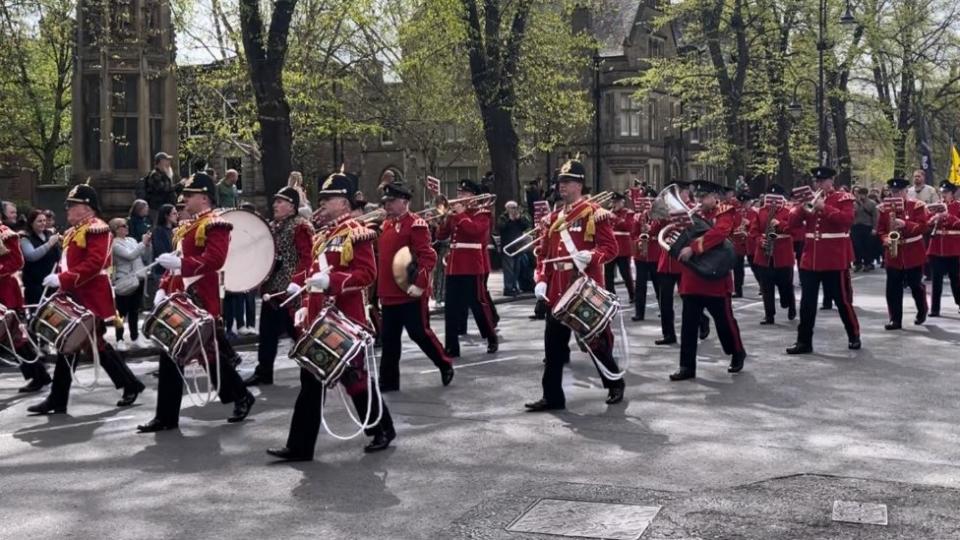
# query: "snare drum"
63 323
586 308
329 347
180 328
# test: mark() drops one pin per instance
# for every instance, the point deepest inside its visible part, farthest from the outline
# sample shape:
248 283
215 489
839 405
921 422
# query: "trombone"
529 238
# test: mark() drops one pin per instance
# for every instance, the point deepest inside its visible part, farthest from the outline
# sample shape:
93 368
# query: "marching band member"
406 308
83 276
343 266
827 254
645 257
944 248
203 244
467 228
11 297
770 231
905 254
293 238
622 228
587 228
739 236
698 293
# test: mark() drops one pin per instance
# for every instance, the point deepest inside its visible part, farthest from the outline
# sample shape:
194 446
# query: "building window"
629 114
656 174
386 137
90 87
450 177
655 47
454 134
124 132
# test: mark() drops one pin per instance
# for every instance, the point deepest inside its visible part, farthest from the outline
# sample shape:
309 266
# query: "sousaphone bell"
404 268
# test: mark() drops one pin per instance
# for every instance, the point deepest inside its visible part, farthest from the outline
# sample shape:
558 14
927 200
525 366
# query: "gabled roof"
613 22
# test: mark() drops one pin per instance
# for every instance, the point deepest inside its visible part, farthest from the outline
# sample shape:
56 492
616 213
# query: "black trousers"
646 272
939 267
623 265
467 292
305 424
774 280
738 272
128 307
836 285
170 385
721 309
896 279
540 309
556 339
110 360
860 235
798 251
414 316
275 321
667 284
33 369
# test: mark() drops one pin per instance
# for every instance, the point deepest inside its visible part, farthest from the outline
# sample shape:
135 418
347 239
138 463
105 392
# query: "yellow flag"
954 177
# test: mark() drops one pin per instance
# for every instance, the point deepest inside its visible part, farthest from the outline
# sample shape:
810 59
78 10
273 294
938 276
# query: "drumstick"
294 296
269 297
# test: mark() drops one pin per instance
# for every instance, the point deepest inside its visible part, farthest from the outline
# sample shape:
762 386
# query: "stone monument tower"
124 95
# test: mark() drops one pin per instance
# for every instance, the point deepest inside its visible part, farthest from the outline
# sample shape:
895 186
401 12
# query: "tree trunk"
838 113
502 146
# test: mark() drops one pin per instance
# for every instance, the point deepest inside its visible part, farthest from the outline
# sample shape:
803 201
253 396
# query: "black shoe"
736 362
384 388
380 441
242 408
31 387
537 317
155 425
892 326
791 313
705 332
682 375
541 405
636 318
921 318
285 454
854 345
933 314
257 380
766 322
446 376
451 353
130 395
615 395
666 341
800 348
492 346
47 407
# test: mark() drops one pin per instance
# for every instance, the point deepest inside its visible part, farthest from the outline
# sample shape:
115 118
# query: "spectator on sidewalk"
158 186
511 225
864 222
228 196
41 252
128 278
161 242
10 215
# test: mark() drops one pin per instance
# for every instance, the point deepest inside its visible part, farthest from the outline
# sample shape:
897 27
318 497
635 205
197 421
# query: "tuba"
404 268
715 263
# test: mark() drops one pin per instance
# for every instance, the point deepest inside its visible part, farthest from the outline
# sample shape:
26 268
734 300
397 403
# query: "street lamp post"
596 123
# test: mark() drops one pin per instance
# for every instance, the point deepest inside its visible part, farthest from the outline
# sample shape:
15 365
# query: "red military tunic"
827 244
653 248
725 218
578 217
303 242
783 255
469 233
945 235
348 251
406 230
911 252
203 245
622 230
84 264
11 262
752 241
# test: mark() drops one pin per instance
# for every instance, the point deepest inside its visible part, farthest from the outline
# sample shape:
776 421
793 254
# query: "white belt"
621 233
828 235
563 266
466 246
946 233
779 236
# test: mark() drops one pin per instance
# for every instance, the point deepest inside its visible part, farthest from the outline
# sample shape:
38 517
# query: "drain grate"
860 512
585 519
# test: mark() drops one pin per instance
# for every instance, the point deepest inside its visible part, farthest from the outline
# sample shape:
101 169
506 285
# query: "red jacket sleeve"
303 243
98 251
12 262
721 229
477 225
361 272
916 221
423 252
840 215
214 253
605 243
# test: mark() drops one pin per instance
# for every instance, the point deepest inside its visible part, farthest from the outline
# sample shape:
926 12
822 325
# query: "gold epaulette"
844 196
724 207
8 234
98 226
601 214
215 222
420 223
359 233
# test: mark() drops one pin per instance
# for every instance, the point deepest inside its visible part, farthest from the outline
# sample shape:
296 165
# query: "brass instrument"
668 203
529 238
374 216
893 237
644 235
817 196
770 233
484 200
404 268
937 209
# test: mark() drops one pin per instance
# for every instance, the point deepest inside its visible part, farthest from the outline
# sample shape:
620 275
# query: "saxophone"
893 237
644 236
770 233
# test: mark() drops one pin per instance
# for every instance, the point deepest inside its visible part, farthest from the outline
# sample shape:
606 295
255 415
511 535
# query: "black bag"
715 263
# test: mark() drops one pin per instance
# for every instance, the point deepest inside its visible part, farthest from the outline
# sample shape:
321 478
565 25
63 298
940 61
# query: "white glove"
52 281
293 289
170 261
415 291
582 258
320 280
540 291
160 296
300 317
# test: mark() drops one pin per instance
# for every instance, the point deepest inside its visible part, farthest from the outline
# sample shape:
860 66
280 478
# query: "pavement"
762 454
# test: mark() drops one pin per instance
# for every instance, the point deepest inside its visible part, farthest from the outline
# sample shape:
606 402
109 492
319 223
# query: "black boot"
47 406
130 394
241 408
736 363
285 454
381 440
446 375
154 426
800 348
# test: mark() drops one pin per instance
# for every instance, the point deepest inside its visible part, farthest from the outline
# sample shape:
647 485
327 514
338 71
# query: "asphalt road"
886 413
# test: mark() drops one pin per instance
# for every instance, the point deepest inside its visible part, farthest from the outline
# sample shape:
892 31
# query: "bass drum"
252 252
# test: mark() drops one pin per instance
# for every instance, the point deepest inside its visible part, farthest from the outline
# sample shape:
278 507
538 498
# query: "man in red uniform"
83 276
827 254
944 248
771 233
11 296
583 232
623 219
293 238
903 258
699 293
343 267
202 252
406 308
645 255
739 235
467 228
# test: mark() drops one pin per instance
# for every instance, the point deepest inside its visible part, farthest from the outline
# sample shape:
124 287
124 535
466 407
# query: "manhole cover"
586 519
860 512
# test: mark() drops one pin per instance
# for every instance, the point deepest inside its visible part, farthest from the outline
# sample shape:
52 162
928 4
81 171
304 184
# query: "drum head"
251 254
